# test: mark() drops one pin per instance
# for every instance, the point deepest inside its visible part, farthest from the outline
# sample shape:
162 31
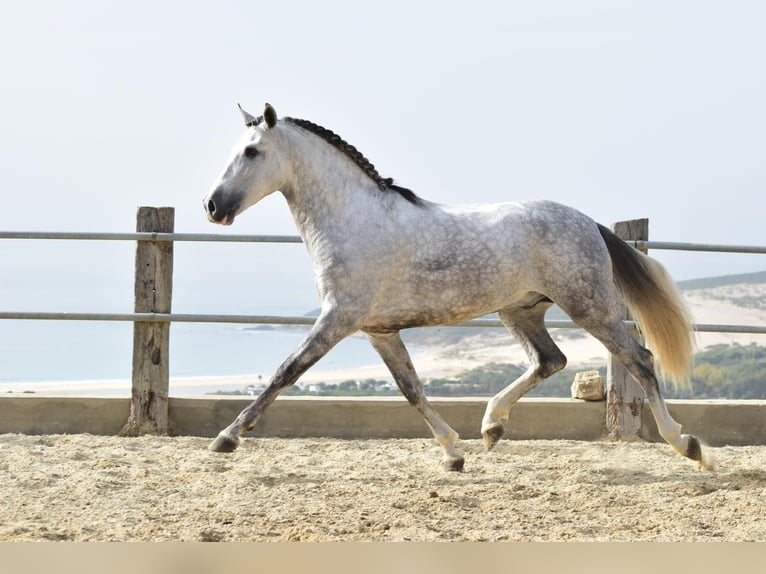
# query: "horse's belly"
445 306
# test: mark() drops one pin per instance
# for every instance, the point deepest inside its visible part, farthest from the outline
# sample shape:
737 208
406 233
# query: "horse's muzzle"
218 212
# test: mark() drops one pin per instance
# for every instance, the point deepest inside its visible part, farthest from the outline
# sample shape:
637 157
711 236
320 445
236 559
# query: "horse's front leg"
324 335
397 359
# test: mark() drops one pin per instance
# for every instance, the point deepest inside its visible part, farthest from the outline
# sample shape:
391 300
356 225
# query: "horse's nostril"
211 207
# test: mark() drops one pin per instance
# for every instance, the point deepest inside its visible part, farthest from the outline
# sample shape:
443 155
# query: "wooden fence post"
151 340
625 397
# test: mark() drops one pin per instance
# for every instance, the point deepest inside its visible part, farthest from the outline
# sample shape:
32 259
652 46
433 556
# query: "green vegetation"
490 379
728 372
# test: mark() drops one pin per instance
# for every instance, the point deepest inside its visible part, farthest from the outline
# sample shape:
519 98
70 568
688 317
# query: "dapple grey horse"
385 259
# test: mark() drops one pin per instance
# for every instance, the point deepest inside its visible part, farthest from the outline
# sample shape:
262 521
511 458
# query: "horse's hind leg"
394 354
640 364
527 325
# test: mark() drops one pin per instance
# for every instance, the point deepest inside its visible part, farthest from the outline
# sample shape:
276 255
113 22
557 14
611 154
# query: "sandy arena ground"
94 488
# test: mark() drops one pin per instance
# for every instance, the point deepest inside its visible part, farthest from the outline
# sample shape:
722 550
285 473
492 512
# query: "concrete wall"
715 422
35 414
386 418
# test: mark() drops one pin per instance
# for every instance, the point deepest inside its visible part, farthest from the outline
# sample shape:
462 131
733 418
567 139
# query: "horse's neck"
328 195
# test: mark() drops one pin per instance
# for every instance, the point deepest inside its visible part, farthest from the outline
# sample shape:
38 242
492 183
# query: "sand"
93 488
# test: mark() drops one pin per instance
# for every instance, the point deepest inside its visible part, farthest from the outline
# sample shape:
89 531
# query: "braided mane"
384 184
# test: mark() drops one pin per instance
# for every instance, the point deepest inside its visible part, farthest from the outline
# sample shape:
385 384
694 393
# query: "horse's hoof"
453 464
492 436
694 451
223 443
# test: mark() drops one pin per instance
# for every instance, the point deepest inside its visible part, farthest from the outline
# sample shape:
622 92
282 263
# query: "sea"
70 356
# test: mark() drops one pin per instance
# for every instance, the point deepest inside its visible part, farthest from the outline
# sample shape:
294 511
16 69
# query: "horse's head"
253 171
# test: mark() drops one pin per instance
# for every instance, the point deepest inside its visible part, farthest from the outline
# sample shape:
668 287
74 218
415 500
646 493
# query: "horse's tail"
656 304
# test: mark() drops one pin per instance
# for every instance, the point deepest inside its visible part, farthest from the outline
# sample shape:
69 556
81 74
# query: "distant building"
255 390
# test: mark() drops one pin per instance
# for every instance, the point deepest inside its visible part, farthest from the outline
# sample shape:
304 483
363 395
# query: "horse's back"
534 235
465 261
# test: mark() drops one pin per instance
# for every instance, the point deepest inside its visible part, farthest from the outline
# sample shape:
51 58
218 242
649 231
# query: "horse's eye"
251 152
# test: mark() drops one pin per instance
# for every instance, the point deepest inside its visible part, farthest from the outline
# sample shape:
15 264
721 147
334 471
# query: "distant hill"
722 281
555 313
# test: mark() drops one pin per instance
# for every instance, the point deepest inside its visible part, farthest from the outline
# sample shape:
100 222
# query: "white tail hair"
658 307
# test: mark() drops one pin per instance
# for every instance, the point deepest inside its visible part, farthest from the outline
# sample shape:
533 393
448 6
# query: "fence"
152 314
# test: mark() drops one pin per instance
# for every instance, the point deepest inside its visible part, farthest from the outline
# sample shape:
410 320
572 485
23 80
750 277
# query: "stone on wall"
588 386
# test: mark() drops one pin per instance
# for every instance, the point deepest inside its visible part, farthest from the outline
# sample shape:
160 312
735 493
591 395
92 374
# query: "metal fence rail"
669 245
218 237
149 236
287 320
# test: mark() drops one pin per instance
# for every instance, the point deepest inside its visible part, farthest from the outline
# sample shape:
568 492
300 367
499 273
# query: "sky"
620 109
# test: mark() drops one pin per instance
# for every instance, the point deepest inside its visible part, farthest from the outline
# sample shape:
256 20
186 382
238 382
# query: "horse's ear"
270 115
249 119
